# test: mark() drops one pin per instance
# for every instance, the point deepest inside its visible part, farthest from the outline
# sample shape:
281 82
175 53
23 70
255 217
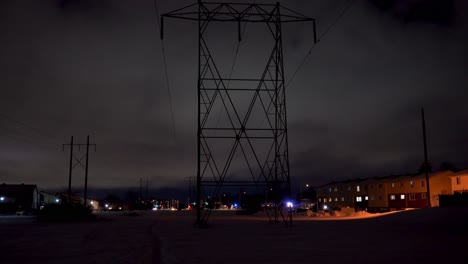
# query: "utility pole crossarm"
79 145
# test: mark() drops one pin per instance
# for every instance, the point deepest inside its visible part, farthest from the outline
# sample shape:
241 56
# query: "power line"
24 125
21 137
333 24
166 73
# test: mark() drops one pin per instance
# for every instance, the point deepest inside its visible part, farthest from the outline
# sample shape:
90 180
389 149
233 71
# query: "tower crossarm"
237 12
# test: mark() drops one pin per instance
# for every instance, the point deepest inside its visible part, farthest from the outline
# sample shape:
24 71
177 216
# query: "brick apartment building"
391 192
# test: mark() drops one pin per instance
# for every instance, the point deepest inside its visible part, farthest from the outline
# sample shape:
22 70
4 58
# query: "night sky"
95 67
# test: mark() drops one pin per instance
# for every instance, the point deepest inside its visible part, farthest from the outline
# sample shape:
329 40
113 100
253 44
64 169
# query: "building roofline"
389 178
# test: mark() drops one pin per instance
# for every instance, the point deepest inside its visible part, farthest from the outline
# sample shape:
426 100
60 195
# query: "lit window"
392 197
393 185
411 183
336 199
329 199
358 198
320 200
423 195
412 196
402 196
342 199
358 188
336 189
329 189
458 181
366 198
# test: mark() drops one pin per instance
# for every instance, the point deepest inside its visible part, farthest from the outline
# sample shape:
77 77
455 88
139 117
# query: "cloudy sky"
95 67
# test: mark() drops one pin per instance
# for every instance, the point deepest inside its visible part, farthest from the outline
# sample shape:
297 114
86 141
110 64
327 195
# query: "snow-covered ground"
415 236
115 239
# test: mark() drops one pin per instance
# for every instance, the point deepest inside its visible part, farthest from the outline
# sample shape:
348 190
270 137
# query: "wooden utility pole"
426 164
86 173
70 171
76 163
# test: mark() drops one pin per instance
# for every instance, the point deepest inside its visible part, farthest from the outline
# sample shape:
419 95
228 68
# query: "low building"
47 198
18 197
93 204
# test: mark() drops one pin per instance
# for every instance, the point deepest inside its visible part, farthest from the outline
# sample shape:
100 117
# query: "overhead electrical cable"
333 24
174 134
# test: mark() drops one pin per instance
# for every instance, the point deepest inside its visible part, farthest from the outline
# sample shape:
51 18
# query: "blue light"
289 204
235 205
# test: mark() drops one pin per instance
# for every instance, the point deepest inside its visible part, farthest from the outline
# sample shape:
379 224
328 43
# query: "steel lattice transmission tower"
253 131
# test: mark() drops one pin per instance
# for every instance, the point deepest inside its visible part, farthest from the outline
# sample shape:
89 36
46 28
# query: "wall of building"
335 195
459 181
378 195
440 183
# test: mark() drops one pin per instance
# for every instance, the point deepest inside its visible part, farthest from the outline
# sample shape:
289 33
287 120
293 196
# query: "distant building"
18 197
392 192
93 204
47 198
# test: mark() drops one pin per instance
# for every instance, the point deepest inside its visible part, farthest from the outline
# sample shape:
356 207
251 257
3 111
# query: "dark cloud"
95 67
433 11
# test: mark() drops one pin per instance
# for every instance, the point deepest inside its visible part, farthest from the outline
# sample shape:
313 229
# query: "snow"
116 239
344 215
413 236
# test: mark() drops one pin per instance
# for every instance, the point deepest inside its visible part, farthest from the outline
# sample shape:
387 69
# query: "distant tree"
445 165
425 168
